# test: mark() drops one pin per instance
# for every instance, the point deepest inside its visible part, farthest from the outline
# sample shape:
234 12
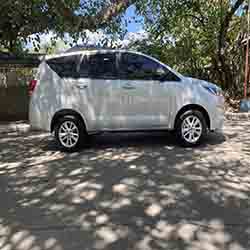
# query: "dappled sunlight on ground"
138 191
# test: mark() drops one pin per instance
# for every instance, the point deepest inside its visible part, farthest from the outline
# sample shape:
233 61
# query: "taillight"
32 85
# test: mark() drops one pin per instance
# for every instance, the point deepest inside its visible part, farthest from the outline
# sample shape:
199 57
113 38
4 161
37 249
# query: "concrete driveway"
126 192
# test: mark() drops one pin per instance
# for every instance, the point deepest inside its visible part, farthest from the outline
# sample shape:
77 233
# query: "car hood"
202 82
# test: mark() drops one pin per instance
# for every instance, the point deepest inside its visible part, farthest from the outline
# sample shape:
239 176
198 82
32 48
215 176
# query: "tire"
191 128
75 134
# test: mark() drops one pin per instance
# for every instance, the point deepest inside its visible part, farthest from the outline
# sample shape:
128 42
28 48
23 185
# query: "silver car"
85 92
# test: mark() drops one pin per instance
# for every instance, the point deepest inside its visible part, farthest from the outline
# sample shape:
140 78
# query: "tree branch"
199 19
104 16
93 22
226 22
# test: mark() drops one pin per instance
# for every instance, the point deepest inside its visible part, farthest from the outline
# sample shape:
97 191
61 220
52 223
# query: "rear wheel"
70 133
191 128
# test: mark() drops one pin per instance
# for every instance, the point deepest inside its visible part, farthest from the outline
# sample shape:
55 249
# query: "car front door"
144 102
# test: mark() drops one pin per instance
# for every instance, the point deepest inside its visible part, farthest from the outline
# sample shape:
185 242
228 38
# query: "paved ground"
126 192
18 126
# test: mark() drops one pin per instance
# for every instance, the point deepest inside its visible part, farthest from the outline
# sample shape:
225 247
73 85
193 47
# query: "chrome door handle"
82 86
128 86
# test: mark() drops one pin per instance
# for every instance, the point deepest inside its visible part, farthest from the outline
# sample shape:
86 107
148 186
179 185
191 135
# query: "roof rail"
86 47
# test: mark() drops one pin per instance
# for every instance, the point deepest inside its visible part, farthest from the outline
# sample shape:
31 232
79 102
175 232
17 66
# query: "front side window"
65 67
138 67
99 66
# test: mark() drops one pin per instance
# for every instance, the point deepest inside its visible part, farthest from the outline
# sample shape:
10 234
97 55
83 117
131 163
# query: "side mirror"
160 71
161 74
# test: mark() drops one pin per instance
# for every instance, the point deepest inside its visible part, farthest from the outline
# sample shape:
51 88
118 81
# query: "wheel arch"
193 107
63 113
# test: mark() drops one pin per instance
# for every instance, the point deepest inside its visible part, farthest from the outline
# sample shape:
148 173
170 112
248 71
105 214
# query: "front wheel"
191 128
70 133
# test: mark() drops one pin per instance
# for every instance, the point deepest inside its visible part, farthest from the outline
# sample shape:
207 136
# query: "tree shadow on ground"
124 192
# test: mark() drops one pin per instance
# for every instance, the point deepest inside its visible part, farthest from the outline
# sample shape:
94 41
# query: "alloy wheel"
191 129
68 134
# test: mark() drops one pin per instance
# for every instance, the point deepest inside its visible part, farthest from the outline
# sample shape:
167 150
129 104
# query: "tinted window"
137 67
100 66
134 66
65 66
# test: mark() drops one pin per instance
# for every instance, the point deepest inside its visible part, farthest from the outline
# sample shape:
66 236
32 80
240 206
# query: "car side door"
99 85
143 93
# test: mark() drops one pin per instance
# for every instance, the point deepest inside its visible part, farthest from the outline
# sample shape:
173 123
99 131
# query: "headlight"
214 90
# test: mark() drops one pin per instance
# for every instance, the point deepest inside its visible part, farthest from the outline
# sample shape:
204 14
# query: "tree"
199 37
21 18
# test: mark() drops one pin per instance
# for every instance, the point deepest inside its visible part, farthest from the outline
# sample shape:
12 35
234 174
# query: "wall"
14 103
14 99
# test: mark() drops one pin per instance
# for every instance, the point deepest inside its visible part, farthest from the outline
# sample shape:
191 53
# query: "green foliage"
21 18
200 38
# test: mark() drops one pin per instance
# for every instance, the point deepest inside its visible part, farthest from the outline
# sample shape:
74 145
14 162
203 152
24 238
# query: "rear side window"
99 66
65 67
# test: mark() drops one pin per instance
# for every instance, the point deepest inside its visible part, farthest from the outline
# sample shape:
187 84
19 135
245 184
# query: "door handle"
82 86
128 86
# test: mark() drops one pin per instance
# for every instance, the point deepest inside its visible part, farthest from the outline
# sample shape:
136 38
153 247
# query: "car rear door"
99 87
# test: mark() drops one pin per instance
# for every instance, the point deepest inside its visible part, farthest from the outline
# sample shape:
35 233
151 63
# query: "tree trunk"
223 64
